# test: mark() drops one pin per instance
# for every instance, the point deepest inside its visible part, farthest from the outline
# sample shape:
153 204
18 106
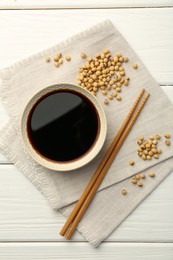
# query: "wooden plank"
71 251
4 116
148 31
63 4
26 216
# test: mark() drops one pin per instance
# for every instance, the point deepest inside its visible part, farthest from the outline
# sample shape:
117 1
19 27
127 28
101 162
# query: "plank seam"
86 242
87 8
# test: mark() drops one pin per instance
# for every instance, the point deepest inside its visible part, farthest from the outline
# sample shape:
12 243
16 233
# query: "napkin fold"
109 208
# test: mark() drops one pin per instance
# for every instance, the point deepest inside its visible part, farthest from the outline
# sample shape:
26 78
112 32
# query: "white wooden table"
28 226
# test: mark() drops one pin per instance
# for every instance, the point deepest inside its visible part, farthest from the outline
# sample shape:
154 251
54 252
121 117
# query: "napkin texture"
109 208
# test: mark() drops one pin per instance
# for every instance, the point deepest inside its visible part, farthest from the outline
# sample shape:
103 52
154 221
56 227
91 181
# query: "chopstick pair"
94 183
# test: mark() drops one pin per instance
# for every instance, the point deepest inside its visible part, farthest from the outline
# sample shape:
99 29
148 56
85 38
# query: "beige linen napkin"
109 208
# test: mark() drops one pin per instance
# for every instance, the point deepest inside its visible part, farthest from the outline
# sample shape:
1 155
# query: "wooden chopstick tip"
67 237
62 233
147 95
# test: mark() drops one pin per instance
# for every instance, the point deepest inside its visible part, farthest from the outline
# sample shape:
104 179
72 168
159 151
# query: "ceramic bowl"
89 155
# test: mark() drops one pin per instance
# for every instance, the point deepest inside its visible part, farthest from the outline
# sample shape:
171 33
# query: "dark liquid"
63 126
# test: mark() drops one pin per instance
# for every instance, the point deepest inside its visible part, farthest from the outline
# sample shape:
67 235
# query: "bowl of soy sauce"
63 127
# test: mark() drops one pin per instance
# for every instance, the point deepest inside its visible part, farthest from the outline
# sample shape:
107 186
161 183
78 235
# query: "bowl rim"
74 164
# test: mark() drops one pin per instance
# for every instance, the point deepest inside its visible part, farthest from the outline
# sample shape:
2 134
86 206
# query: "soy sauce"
63 126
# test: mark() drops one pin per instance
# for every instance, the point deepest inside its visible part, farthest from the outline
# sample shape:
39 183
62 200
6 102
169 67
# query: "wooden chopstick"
100 167
104 171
